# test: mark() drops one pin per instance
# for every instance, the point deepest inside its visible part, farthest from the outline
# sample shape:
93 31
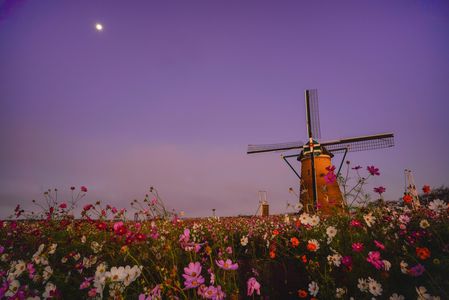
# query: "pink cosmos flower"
379 245
194 282
92 292
373 170
227 265
184 237
31 270
357 247
193 272
210 292
85 284
252 286
154 294
375 260
120 228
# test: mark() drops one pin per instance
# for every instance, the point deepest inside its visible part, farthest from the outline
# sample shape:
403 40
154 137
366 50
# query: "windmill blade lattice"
361 143
280 147
314 114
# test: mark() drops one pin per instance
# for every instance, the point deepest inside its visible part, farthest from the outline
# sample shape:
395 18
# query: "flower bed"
375 251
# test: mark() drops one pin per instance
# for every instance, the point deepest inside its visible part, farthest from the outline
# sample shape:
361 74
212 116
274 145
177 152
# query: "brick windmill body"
317 193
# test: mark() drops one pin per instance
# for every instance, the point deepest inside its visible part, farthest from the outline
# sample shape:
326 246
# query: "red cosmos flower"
302 294
120 228
62 205
83 189
140 236
294 241
373 170
272 254
407 198
275 232
87 207
426 189
102 226
422 253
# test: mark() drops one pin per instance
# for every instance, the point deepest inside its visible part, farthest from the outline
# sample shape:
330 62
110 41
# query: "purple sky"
171 93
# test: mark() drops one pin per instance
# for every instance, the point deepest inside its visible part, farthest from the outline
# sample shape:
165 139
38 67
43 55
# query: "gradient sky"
171 92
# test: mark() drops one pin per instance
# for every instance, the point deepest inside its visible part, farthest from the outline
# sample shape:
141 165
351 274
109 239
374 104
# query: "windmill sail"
361 143
313 114
281 147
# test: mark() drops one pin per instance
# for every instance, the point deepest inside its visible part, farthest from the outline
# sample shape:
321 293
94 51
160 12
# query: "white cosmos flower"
375 288
49 289
362 285
131 274
422 293
334 259
313 288
331 232
340 292
116 274
304 218
314 220
404 266
387 265
424 224
396 297
244 240
369 219
48 271
19 268
52 248
13 288
438 206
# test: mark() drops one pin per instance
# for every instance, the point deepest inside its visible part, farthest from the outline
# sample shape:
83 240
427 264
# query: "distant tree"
441 193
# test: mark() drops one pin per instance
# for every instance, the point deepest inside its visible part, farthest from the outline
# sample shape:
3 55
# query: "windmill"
316 157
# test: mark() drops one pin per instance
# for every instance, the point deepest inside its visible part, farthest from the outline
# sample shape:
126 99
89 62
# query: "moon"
99 27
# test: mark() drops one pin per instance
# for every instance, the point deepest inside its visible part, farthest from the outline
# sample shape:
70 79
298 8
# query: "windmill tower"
315 157
410 188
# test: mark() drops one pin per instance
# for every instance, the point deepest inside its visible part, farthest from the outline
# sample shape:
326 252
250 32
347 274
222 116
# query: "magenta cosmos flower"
379 245
375 260
357 247
379 190
373 170
227 265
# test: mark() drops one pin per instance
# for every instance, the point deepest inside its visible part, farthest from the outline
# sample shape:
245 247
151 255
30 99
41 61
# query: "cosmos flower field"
377 251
